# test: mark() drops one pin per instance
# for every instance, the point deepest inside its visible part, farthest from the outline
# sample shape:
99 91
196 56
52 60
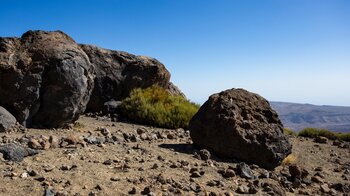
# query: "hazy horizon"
288 51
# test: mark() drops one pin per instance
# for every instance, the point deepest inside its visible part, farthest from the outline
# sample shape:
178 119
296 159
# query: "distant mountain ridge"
298 116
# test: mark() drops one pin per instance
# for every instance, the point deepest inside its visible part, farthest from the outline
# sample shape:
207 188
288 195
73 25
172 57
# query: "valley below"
297 116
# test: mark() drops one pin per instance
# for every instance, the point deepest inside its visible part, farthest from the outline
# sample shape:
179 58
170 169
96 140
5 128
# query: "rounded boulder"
45 78
240 125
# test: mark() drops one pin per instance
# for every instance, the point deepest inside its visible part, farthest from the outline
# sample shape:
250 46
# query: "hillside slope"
298 116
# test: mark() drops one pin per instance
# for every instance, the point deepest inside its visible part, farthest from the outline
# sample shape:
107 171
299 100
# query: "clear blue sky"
285 50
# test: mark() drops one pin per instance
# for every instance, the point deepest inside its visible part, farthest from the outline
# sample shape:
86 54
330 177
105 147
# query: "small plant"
328 134
155 106
344 137
289 160
78 125
308 132
287 131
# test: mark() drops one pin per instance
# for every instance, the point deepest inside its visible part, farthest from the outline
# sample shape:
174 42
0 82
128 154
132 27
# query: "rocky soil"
99 157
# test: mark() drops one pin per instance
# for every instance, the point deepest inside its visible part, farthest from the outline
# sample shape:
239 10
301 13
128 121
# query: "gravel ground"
99 157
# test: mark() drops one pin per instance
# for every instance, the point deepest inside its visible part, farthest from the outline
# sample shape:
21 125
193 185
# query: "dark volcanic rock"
118 73
297 172
245 171
49 191
239 124
45 78
13 152
204 154
7 121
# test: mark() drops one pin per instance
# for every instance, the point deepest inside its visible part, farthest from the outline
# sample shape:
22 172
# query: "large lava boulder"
241 125
45 78
7 121
118 73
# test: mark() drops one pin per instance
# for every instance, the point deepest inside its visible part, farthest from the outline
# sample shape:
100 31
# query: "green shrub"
287 131
344 137
312 133
155 106
308 132
328 134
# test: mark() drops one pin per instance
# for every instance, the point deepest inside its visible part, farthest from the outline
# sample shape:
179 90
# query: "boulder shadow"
181 148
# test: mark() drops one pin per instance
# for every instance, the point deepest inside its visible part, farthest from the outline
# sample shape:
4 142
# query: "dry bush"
289 160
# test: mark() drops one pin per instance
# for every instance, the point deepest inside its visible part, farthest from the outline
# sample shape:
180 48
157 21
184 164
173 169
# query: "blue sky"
284 50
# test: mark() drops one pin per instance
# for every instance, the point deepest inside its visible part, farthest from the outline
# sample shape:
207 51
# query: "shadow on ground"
182 148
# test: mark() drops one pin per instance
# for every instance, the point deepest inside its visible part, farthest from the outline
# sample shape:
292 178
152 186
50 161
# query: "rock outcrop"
7 121
45 78
239 124
118 73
